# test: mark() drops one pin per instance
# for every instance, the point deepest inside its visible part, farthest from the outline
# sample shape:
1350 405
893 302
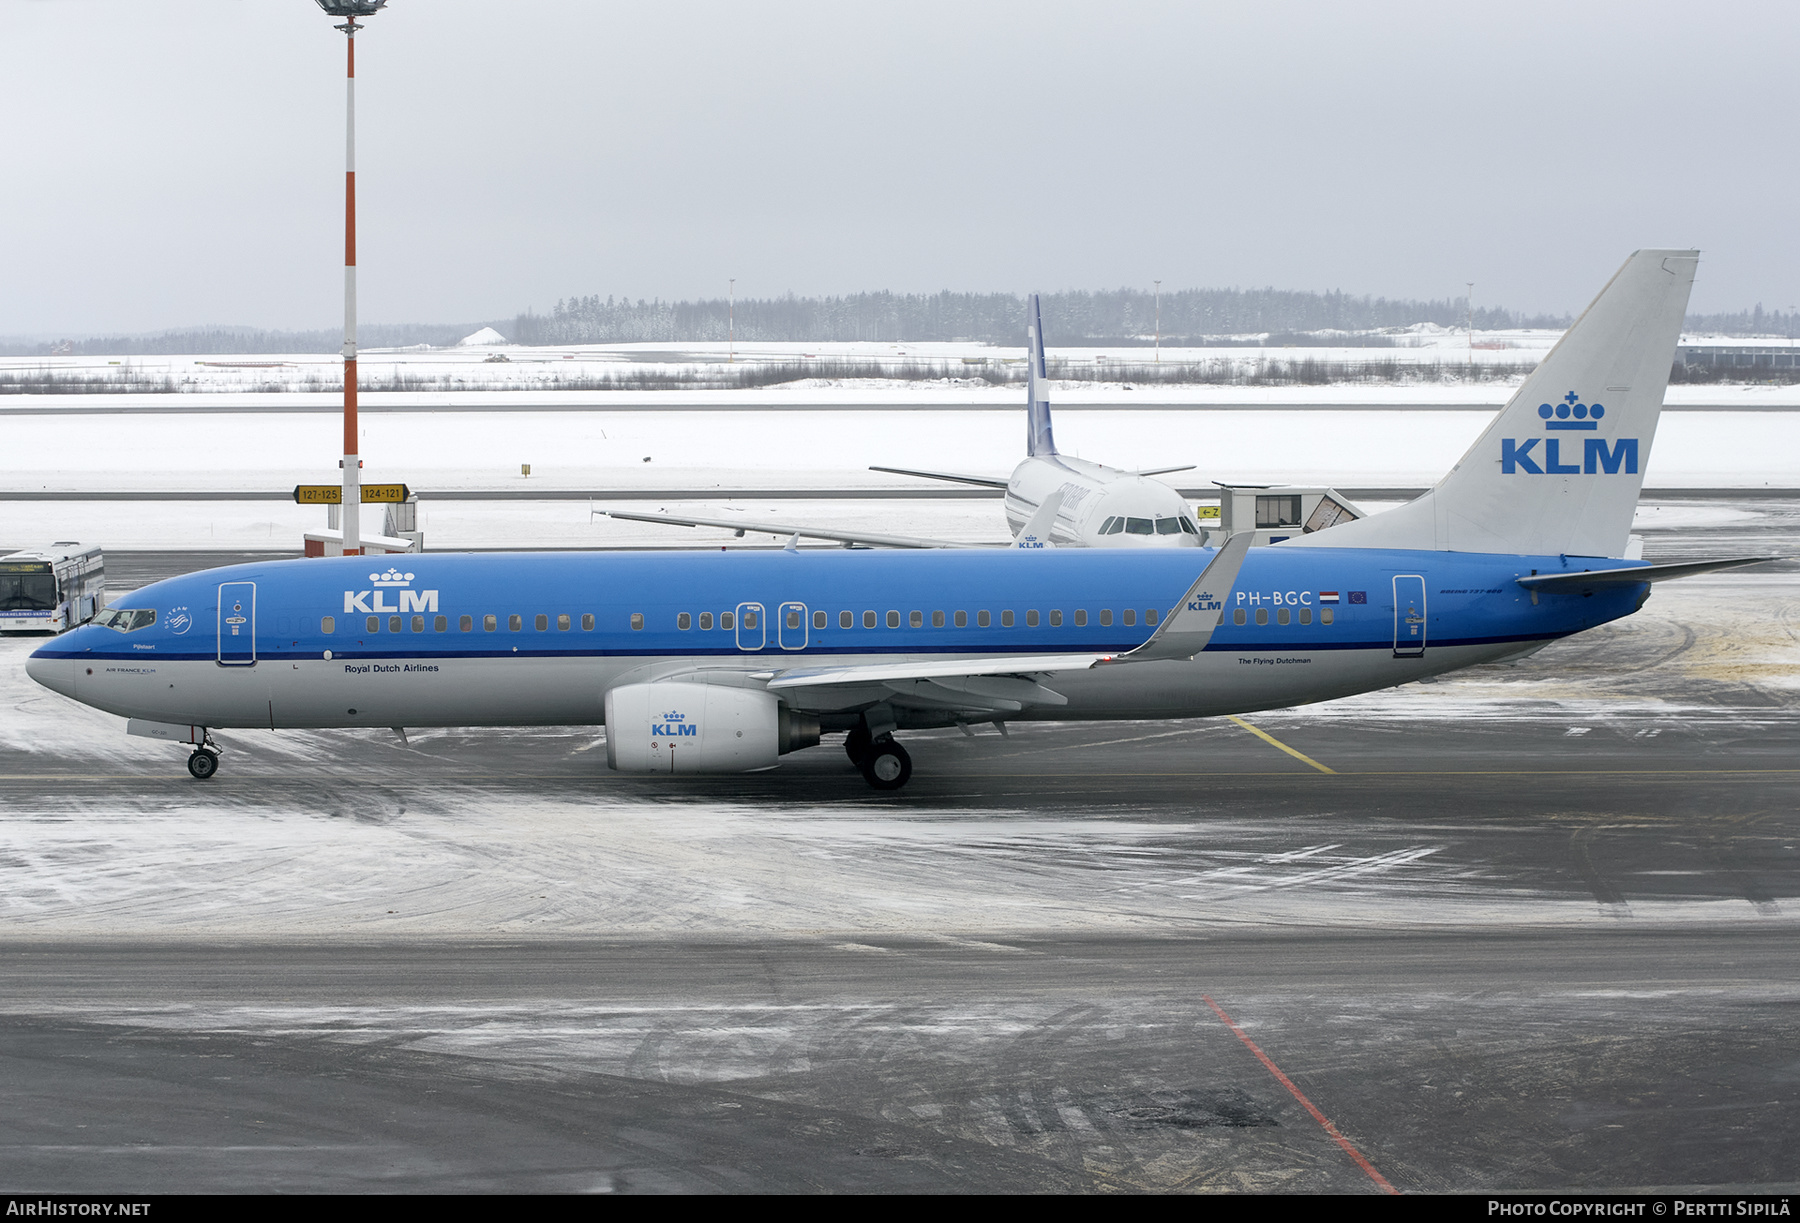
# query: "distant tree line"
1121 317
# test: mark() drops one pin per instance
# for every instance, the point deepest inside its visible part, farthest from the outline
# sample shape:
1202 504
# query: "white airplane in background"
1052 499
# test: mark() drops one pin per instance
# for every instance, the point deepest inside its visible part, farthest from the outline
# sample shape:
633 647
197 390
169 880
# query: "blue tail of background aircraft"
1039 441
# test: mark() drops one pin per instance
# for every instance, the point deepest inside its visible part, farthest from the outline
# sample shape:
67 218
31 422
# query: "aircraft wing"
974 689
847 538
983 481
1163 471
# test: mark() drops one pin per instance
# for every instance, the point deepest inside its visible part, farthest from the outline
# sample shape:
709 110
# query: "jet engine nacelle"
674 727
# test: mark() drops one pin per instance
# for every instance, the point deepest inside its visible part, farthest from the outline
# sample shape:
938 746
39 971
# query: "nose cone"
55 671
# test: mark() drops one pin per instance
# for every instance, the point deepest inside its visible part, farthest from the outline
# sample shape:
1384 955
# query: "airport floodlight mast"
1158 284
350 509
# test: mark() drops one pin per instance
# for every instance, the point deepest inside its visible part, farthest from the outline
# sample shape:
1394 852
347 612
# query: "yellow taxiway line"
1266 737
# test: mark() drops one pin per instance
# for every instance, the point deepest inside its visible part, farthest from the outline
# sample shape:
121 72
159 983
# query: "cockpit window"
1140 526
126 619
1168 526
1113 526
1189 527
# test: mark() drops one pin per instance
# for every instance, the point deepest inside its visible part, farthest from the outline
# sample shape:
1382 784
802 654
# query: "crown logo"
1571 415
393 577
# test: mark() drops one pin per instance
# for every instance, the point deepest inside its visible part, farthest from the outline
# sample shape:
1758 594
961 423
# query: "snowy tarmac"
1532 932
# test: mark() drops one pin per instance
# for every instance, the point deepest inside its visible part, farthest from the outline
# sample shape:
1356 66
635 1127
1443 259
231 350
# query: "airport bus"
51 590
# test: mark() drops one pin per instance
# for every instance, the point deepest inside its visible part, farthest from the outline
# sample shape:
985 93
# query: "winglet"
1038 438
1036 532
1190 626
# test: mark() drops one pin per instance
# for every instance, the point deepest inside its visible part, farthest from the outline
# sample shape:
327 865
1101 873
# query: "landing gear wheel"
886 765
203 764
856 745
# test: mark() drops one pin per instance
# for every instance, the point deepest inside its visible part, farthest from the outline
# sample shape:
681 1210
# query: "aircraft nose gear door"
237 624
792 632
750 628
1409 617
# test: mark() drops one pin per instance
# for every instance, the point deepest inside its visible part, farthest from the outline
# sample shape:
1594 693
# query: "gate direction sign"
333 494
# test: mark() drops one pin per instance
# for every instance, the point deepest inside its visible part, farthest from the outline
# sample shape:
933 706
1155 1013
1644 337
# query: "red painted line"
1361 1161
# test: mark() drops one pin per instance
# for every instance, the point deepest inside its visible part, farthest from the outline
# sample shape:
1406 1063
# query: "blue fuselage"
471 639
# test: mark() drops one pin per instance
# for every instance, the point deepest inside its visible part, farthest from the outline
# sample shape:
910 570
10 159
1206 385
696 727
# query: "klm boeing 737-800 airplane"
703 662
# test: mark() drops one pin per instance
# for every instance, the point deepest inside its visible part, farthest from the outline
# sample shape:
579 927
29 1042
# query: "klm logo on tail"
1569 416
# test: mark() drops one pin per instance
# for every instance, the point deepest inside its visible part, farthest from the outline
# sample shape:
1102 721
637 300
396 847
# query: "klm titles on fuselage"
1569 416
374 602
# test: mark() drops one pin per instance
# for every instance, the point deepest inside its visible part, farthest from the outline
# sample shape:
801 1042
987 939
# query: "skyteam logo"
674 726
179 620
375 601
1569 416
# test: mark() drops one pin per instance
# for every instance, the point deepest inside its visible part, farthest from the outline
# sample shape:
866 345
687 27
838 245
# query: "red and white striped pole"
350 514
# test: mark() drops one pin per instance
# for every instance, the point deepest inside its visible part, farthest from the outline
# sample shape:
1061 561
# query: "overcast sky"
181 164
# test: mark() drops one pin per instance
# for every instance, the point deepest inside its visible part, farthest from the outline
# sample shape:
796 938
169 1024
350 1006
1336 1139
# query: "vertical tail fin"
1560 468
1038 438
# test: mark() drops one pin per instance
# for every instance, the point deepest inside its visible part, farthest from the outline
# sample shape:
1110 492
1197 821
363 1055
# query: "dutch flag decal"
1328 596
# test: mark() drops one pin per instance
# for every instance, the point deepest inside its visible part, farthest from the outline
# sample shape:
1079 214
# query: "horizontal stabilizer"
1634 573
799 532
983 481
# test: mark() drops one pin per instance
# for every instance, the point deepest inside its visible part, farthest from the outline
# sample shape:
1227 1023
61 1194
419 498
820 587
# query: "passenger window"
893 619
465 624
846 619
915 619
1055 619
489 624
749 619
725 620
868 619
1129 618
1006 619
1281 616
983 619
587 623
514 623
1262 615
937 619
1324 615
394 623
818 619
684 622
542 623
328 624
441 624
374 624
1151 615
1238 617
1306 615
1106 616
418 625
1081 617
1139 526
962 619
793 618
637 622
1031 618
562 623
705 620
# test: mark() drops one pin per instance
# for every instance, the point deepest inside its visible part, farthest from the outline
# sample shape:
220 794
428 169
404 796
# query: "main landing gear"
883 763
205 760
